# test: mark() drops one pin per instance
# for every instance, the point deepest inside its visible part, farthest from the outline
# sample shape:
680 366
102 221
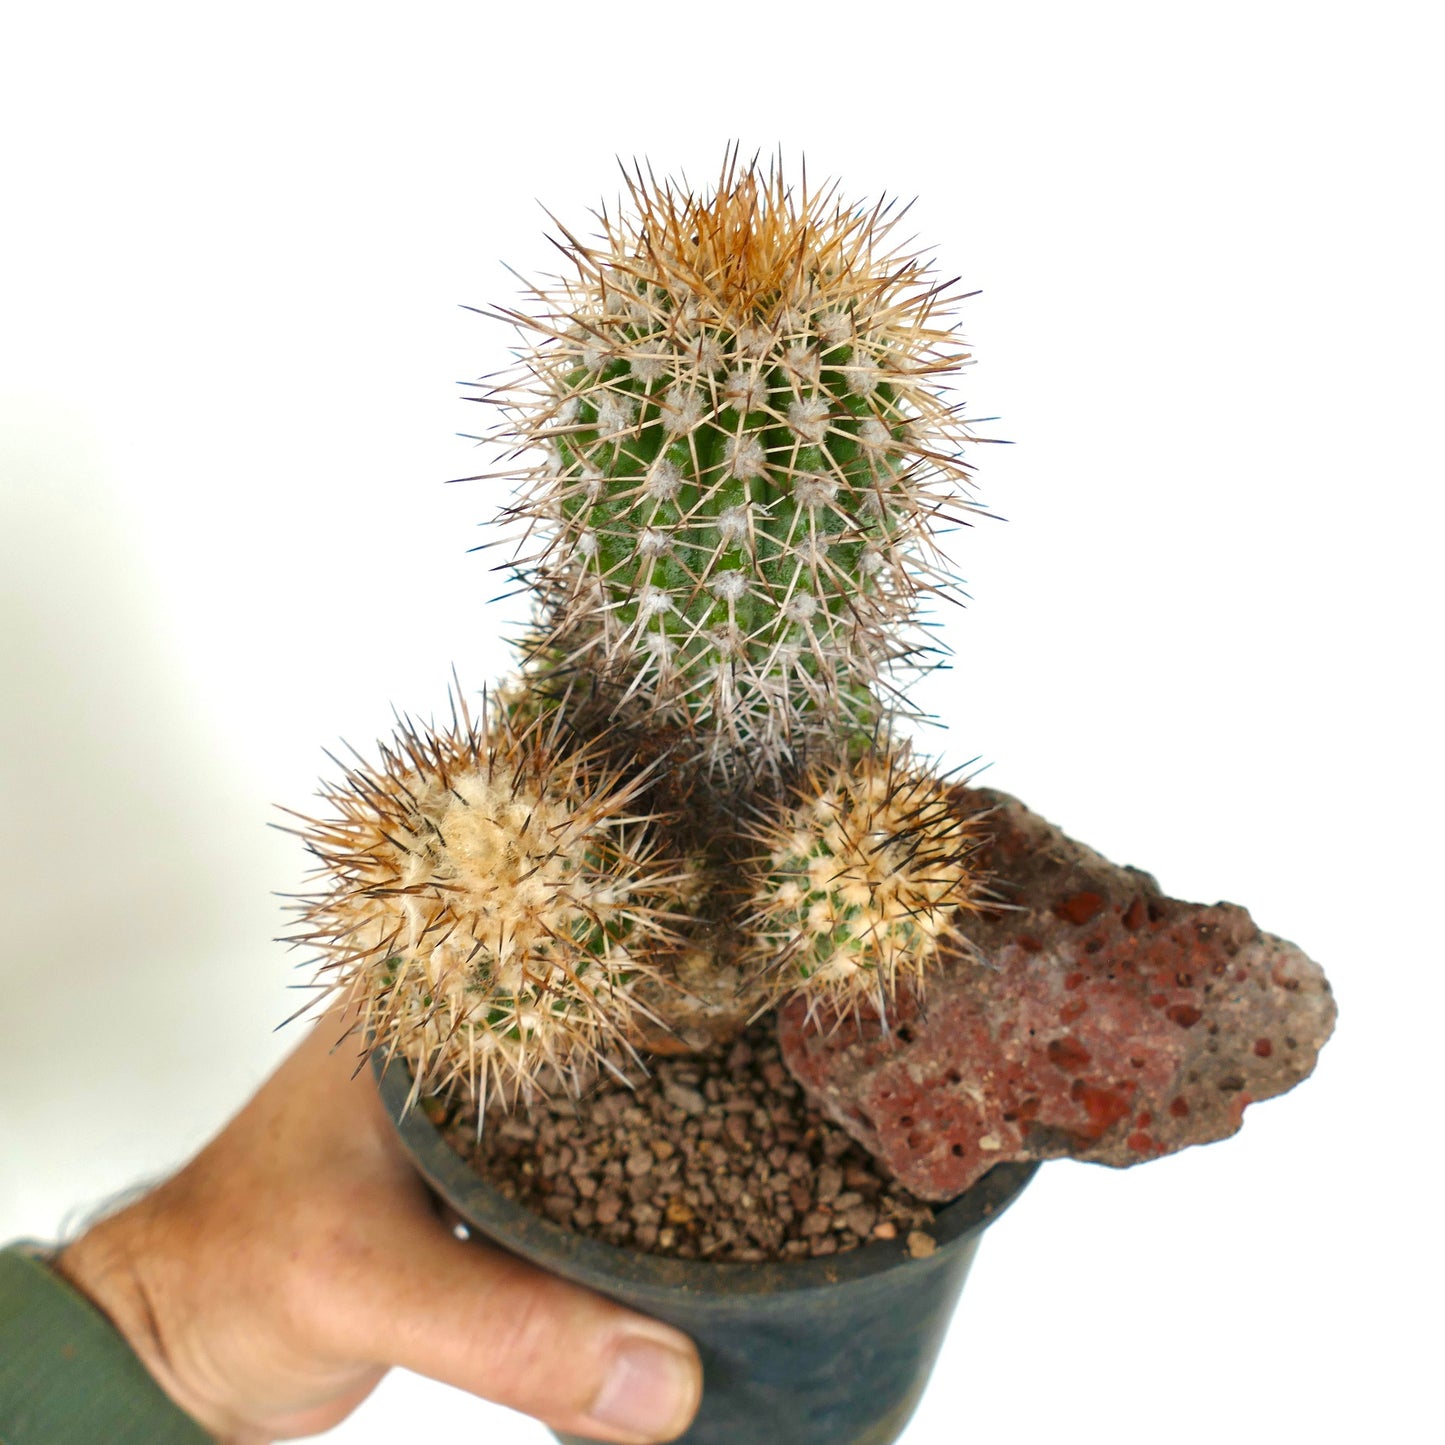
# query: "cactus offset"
489 905
859 882
745 453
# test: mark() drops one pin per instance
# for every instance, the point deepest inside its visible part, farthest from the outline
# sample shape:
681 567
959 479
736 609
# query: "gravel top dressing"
713 1156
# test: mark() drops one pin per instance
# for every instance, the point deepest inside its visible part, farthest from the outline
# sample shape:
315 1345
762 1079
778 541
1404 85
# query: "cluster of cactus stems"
733 447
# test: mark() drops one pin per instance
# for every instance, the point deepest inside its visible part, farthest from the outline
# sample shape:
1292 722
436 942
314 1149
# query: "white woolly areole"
653 542
813 490
614 413
732 523
744 391
681 408
623 301
808 419
805 361
726 641
707 353
746 457
663 481
652 600
800 606
754 341
729 586
813 552
654 359
873 434
587 544
821 916
863 376
567 412
835 327
793 321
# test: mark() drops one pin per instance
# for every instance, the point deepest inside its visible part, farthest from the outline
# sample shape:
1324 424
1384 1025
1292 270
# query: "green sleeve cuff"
67 1377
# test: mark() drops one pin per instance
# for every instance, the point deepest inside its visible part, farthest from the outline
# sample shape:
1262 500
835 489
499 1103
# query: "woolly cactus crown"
746 450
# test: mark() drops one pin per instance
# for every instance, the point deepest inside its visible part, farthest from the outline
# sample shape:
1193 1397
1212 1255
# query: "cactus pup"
489 904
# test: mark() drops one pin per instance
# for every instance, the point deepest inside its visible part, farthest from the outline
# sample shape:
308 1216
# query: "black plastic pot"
832 1351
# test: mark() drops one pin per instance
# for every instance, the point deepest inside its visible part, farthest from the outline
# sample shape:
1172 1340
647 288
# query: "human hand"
271 1283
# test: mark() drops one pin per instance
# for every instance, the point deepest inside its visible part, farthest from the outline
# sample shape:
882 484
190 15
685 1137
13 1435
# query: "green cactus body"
745 459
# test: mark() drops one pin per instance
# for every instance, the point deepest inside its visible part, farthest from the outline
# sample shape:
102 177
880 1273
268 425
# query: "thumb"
480 1319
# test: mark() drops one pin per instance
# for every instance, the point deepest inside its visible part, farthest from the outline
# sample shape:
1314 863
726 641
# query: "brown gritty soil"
714 1156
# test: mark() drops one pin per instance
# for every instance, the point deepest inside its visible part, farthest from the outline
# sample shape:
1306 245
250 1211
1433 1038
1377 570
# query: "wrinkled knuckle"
537 1359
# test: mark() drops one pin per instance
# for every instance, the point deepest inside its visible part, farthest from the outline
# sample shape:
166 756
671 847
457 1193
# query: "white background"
233 245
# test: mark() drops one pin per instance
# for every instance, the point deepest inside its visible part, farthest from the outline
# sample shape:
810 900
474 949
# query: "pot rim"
600 1264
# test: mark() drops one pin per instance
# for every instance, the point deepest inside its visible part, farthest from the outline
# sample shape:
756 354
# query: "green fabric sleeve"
67 1377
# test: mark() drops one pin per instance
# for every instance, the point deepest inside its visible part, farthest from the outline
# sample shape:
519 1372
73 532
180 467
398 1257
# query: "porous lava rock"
1091 1017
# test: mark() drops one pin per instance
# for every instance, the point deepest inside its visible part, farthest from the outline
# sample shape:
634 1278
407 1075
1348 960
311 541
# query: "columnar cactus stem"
745 453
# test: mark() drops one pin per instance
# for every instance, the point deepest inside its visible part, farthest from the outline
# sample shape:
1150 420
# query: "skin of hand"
271 1283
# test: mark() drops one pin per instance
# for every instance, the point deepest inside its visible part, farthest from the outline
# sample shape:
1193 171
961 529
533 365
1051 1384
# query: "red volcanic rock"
1097 1019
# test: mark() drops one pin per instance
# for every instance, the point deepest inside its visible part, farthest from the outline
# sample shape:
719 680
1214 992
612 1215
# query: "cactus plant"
855 882
736 447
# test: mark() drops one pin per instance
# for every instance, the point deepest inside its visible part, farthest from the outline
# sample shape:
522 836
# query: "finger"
486 1322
